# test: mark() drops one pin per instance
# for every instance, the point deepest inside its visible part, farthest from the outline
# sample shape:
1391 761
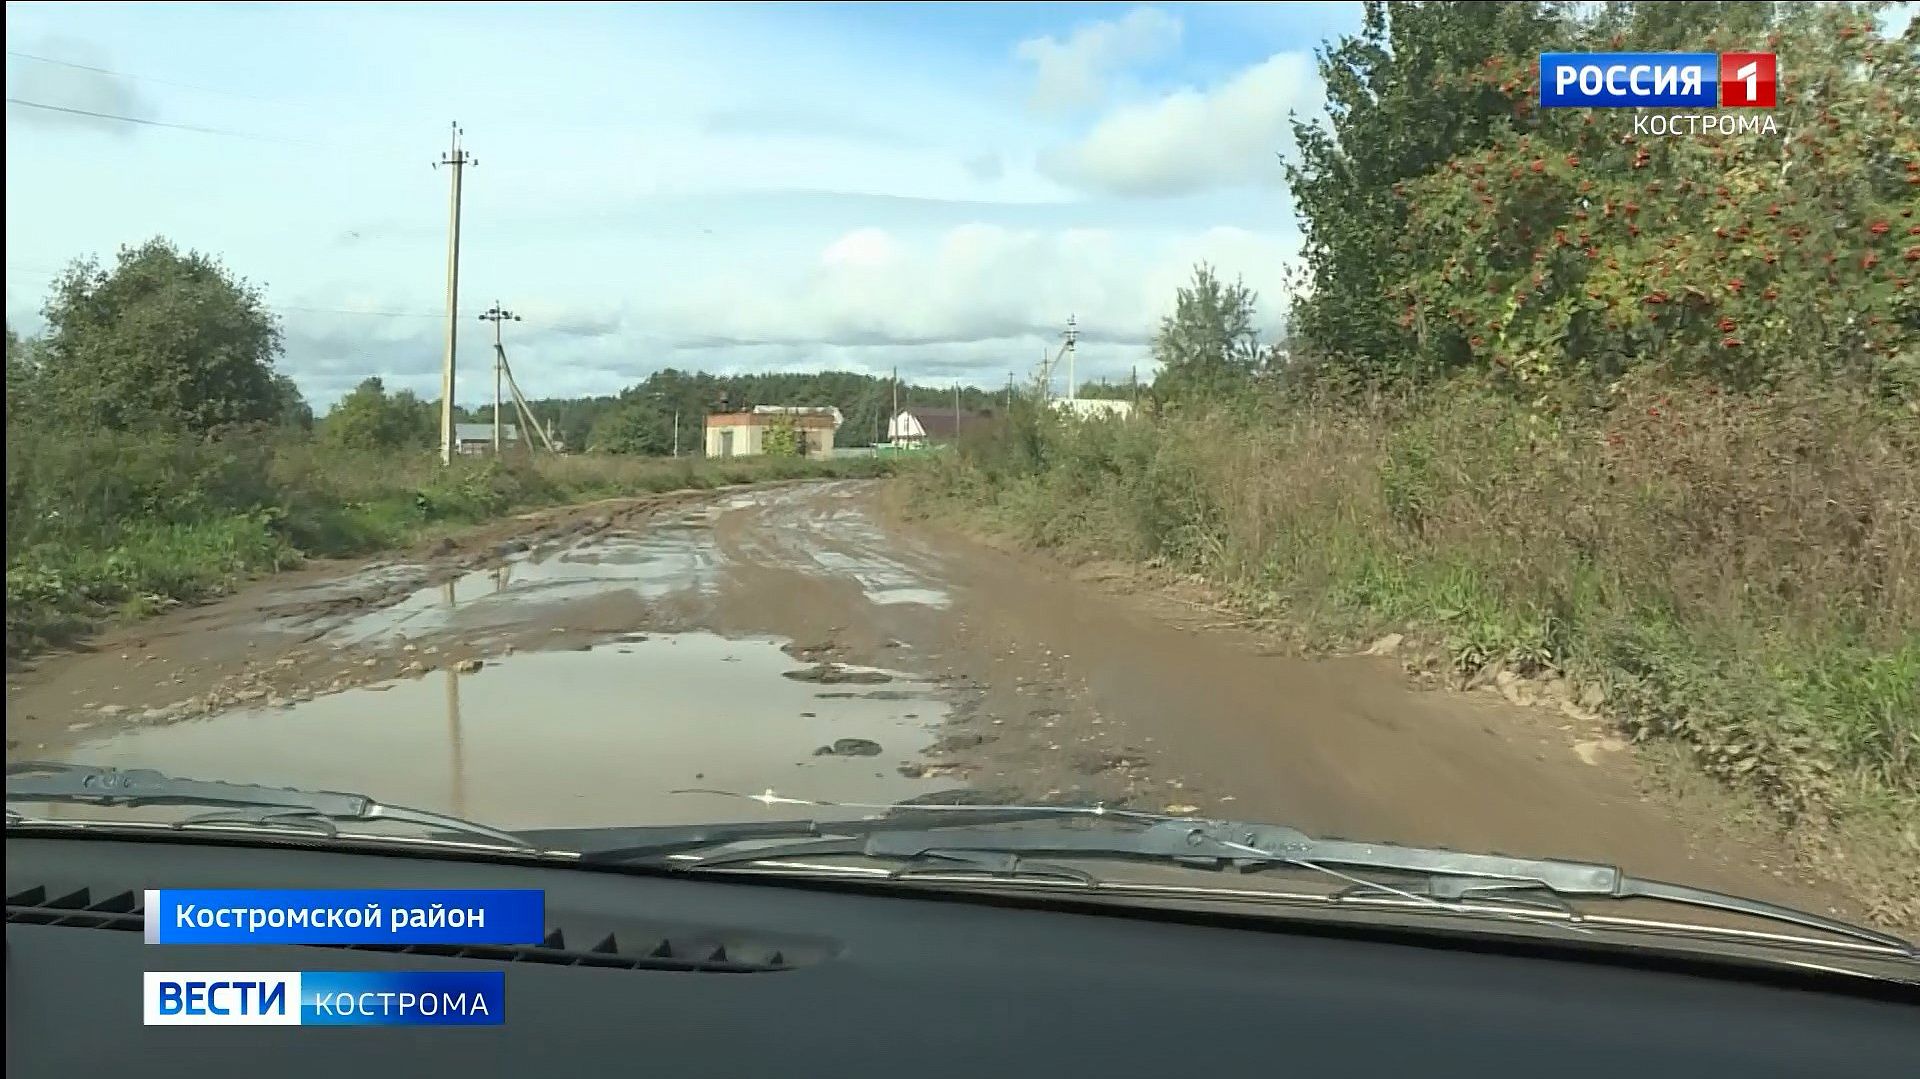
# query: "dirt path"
580 666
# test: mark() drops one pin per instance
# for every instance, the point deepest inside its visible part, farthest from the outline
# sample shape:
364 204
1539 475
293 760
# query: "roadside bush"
1741 571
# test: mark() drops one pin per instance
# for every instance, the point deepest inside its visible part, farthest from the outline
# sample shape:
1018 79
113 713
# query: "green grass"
1740 575
104 525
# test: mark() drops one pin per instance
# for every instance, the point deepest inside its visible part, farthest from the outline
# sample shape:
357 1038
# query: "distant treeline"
639 419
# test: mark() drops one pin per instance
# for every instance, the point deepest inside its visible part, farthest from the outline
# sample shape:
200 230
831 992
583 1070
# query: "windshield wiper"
1439 875
657 842
916 838
241 803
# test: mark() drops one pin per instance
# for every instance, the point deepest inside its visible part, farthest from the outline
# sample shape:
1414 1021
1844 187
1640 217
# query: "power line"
129 75
152 123
350 311
39 271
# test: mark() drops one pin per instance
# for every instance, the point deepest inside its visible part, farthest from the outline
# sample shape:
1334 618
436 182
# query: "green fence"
899 449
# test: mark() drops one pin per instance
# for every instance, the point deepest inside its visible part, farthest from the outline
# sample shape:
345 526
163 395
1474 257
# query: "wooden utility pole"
496 315
457 159
529 422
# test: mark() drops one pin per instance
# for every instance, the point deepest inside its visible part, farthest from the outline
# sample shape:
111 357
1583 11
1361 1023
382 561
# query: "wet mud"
591 666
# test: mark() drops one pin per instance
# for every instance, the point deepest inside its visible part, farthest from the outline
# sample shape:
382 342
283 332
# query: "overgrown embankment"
102 524
1738 573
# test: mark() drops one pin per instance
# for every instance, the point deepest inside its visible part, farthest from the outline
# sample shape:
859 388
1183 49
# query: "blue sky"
754 187
759 187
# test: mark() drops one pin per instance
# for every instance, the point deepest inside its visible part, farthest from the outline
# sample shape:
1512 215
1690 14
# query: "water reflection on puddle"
556 739
673 557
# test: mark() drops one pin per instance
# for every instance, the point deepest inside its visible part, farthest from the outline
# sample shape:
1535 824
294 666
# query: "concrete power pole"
1072 336
458 160
496 315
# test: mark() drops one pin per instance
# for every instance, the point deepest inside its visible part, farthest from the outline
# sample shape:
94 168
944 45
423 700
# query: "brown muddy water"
587 678
571 738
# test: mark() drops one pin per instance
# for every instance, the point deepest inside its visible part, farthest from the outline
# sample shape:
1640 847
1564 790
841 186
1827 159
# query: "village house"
932 426
477 438
744 434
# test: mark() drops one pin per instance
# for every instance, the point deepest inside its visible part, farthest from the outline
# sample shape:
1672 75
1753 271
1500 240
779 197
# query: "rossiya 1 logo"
1748 80
1651 81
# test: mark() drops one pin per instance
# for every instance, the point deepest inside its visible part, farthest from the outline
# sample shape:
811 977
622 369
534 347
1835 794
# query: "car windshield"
1485 429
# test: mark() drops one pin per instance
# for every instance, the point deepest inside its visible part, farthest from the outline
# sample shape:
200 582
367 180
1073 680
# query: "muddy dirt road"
580 667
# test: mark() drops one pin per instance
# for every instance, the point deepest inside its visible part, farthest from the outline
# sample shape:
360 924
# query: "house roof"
945 422
483 432
801 410
814 420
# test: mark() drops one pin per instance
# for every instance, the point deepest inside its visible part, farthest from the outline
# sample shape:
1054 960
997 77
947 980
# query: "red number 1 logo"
1748 80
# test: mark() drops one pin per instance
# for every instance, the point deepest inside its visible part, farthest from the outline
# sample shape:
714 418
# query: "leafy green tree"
782 438
1101 389
22 377
573 418
1207 349
1564 253
164 338
1398 109
1688 27
371 418
291 409
640 418
1452 226
638 425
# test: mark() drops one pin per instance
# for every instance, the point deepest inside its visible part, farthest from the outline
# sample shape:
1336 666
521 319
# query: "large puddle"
674 555
576 738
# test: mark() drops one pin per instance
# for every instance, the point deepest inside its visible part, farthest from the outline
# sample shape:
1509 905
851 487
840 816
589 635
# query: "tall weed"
1742 571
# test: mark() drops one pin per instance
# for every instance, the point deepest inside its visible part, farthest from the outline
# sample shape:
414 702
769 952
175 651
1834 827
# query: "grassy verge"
103 525
1739 576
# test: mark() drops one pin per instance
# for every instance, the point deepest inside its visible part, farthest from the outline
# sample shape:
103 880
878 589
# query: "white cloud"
1073 73
74 85
985 166
970 302
867 248
976 283
715 207
1191 140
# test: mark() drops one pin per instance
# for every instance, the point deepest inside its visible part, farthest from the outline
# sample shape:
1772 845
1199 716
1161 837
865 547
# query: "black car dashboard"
659 974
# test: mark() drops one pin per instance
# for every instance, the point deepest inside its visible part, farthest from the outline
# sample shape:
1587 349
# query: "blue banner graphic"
326 998
345 916
1629 80
409 998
